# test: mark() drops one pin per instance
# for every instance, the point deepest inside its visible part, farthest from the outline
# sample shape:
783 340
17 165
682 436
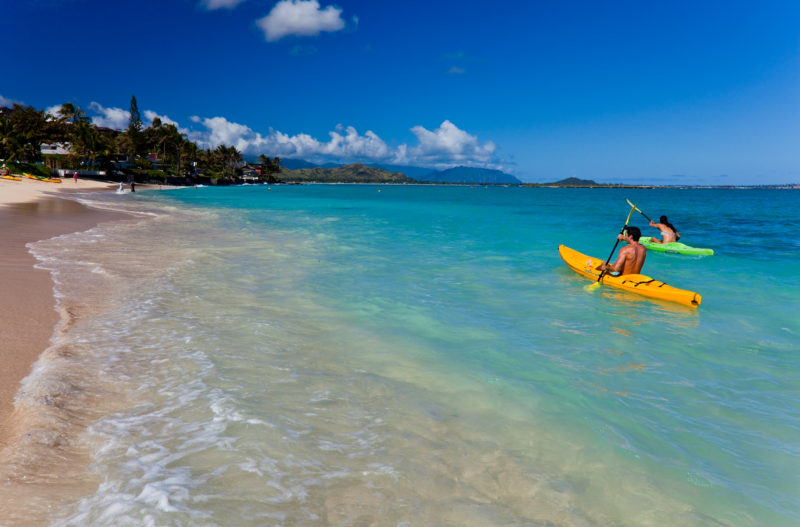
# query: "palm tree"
72 114
87 141
223 160
231 159
188 152
269 167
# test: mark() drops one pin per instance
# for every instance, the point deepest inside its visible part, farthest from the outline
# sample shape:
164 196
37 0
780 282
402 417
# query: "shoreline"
31 211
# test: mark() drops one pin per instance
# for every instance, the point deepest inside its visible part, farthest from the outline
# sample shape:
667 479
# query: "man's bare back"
631 258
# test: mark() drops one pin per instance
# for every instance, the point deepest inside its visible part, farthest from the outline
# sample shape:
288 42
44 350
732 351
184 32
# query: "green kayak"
674 248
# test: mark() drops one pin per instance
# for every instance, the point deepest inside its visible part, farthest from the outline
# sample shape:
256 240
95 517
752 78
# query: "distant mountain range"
471 175
464 175
296 164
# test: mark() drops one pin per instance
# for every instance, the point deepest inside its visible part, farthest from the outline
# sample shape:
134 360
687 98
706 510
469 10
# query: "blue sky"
704 92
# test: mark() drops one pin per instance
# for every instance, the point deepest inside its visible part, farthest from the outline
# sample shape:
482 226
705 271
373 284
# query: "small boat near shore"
42 178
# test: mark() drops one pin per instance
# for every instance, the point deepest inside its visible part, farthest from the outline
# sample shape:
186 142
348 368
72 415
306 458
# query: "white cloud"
220 131
301 18
445 147
54 110
115 118
220 4
450 145
5 101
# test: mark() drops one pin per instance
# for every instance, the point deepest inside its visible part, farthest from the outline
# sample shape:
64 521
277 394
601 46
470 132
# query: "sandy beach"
31 211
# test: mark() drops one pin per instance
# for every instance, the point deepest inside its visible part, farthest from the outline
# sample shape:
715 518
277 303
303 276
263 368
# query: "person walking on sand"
133 185
668 232
75 176
631 258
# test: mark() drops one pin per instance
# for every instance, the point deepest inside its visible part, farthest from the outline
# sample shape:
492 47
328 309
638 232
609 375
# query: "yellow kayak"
40 178
635 283
15 178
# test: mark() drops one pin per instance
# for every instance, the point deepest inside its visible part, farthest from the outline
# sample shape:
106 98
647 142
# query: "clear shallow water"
348 355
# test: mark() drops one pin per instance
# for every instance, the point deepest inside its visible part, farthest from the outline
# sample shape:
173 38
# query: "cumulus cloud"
301 18
211 5
115 118
450 145
220 131
445 147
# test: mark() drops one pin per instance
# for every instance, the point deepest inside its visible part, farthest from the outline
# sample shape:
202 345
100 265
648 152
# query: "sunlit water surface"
393 355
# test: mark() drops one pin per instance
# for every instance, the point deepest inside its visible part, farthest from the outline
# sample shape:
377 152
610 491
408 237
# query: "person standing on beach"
75 176
668 232
133 185
631 258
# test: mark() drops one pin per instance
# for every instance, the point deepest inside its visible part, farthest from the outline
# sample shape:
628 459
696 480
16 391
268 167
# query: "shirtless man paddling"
631 258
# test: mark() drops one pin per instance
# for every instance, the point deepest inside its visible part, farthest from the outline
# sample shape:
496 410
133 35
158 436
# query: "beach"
31 211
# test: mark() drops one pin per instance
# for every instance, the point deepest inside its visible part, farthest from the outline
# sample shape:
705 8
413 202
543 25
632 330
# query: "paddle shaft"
603 272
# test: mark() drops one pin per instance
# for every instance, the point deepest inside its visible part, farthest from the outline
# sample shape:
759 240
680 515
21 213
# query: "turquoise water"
412 355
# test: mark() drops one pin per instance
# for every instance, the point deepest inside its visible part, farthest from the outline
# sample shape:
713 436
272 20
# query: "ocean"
414 356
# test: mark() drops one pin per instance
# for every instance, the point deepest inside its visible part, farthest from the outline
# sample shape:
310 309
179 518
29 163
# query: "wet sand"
32 211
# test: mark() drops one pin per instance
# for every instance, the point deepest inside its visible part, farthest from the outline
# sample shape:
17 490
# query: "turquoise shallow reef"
417 355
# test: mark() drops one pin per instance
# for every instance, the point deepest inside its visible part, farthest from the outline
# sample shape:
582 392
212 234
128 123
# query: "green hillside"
356 173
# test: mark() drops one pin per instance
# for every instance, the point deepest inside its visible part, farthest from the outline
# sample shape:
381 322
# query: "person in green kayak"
669 233
631 258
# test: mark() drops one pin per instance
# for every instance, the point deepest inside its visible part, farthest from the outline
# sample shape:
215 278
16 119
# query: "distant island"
574 182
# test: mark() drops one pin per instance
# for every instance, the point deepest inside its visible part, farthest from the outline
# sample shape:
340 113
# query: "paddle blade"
590 288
